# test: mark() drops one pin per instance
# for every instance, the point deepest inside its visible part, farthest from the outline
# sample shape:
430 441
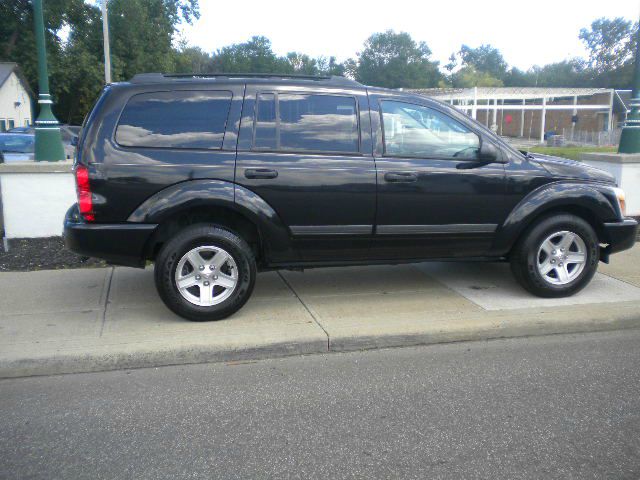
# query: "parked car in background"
214 177
69 134
16 147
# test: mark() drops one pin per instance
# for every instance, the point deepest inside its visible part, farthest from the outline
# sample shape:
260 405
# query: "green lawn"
570 152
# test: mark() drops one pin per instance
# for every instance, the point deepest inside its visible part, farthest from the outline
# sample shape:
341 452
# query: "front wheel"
205 273
557 257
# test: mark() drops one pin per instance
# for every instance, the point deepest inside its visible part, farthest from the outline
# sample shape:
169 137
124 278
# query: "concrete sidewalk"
85 320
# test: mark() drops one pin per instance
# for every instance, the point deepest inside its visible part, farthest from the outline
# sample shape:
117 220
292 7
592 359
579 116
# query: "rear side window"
179 119
306 122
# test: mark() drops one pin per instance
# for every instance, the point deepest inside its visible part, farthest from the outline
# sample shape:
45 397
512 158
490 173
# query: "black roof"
331 80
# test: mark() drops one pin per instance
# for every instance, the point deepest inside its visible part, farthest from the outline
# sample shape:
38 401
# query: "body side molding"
436 229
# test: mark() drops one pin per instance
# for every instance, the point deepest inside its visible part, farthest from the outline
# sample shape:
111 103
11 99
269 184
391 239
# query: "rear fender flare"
202 193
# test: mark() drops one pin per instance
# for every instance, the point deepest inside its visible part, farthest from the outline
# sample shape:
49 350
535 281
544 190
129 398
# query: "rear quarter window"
178 119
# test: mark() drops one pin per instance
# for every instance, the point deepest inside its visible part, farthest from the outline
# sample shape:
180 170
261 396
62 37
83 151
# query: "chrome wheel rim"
206 276
561 258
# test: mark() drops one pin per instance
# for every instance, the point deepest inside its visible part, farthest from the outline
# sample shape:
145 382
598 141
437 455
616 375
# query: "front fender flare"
596 198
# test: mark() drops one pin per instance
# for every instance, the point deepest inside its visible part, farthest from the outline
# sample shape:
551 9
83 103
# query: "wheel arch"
587 201
217 202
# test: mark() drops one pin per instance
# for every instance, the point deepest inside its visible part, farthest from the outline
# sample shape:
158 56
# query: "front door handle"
401 177
260 173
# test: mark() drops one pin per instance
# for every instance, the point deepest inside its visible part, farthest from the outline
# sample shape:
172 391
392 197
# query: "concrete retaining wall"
35 197
626 169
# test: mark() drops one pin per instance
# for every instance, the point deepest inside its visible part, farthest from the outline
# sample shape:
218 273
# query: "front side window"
179 119
306 122
416 131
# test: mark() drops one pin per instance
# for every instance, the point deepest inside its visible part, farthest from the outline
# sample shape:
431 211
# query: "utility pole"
105 39
48 139
630 136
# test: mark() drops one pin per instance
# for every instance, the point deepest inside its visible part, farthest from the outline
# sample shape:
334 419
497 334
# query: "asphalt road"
547 407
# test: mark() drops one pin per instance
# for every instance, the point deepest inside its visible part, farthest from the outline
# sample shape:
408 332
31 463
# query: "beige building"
15 98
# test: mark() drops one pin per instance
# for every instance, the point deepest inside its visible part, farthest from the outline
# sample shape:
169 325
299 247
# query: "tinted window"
297 122
17 143
174 120
266 121
416 131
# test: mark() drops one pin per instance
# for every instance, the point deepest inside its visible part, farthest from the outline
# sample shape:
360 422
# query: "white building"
15 98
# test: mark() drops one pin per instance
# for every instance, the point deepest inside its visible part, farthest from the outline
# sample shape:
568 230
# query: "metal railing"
582 137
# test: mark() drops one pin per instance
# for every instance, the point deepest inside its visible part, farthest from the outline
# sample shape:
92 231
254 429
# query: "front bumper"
619 236
117 243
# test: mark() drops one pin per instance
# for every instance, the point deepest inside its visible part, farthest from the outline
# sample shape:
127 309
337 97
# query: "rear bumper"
118 243
619 236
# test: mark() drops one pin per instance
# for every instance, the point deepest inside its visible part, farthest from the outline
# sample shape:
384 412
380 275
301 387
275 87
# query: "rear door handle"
260 173
401 177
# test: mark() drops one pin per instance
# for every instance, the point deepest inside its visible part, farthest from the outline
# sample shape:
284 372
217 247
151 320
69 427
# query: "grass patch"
571 152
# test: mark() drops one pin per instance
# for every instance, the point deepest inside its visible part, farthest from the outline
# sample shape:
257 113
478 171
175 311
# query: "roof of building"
7 68
507 93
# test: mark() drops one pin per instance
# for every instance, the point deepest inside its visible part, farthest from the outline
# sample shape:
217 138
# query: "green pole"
630 136
48 139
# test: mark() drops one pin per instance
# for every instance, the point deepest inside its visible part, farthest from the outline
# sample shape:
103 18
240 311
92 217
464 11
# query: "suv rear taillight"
85 202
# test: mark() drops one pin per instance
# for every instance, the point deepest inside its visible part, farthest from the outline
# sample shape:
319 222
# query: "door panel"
435 205
326 199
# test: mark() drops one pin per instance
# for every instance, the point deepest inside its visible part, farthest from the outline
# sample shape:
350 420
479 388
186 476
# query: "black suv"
214 177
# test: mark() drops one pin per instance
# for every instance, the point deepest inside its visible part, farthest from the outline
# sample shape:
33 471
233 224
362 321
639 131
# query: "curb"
146 358
475 328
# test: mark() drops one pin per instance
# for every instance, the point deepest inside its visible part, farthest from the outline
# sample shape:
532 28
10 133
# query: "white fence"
581 137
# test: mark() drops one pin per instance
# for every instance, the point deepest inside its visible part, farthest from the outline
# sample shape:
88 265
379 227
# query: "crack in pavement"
106 300
307 308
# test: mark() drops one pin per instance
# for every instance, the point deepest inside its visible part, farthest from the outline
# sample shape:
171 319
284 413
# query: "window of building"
3 125
306 122
11 124
178 119
417 131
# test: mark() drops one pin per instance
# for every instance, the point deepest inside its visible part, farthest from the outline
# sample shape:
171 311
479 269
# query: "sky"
535 32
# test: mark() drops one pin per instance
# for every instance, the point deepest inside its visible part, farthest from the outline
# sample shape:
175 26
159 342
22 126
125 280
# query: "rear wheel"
557 256
205 273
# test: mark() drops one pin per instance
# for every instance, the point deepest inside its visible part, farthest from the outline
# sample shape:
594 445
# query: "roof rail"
160 77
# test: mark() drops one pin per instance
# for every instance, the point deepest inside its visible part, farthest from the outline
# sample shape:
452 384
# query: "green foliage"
143 39
470 77
395 60
141 35
254 56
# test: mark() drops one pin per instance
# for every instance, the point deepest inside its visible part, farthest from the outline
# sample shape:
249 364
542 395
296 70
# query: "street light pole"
105 39
48 138
630 136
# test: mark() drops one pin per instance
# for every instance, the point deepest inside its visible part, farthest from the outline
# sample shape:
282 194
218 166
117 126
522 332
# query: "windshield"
17 143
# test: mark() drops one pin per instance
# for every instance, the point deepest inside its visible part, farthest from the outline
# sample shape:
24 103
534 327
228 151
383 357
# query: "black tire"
197 236
524 256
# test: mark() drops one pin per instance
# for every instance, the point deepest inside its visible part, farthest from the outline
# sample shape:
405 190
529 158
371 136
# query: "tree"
485 59
254 56
479 67
141 40
191 60
611 44
468 77
394 60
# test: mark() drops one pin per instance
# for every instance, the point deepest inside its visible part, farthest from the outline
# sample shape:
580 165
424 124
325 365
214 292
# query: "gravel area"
49 253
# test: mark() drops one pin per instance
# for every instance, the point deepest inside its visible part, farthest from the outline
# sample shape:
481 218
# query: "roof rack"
160 77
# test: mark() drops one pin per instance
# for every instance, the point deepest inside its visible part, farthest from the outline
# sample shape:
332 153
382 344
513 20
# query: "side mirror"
74 141
488 152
